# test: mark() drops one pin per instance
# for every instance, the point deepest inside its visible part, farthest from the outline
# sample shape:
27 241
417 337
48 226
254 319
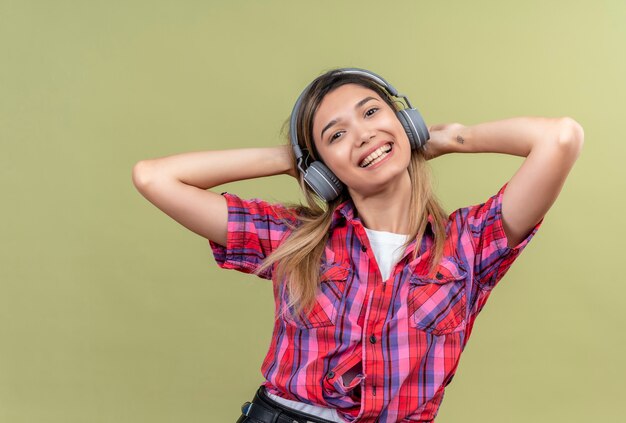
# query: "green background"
112 312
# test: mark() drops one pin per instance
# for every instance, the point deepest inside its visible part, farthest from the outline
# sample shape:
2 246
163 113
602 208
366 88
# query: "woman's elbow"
571 136
141 174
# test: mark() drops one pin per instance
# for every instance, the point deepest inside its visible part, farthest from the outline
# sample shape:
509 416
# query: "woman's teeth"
376 156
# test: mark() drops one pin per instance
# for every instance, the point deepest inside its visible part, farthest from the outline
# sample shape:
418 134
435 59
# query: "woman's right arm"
178 185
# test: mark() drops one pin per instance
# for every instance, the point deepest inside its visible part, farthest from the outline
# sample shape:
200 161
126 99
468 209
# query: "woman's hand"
442 140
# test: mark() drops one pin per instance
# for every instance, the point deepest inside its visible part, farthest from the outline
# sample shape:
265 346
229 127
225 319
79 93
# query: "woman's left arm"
550 145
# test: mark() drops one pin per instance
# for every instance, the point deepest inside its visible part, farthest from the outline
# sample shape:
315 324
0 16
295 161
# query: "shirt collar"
343 213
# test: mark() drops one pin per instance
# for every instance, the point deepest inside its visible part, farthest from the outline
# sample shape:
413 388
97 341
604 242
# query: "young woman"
376 287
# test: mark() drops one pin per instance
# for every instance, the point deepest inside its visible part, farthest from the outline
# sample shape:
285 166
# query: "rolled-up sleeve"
255 229
492 255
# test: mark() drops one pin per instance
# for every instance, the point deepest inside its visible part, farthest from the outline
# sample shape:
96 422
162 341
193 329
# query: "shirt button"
363 248
372 339
439 276
330 374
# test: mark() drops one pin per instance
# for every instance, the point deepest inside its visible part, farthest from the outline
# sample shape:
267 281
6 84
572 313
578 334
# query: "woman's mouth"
376 156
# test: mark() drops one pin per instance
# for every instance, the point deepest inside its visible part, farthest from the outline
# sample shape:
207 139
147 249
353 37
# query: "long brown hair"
298 258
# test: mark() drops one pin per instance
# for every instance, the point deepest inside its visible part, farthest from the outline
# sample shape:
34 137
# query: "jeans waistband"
266 410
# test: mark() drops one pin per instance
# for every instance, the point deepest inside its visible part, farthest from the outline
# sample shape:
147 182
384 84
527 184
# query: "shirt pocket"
332 285
438 305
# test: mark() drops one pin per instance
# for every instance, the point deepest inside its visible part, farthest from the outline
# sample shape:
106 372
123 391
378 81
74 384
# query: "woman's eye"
334 136
373 110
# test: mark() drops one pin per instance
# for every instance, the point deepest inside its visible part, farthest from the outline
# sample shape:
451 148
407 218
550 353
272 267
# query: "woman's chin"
383 186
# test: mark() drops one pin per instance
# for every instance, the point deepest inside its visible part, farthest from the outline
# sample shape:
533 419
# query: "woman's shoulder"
488 208
262 207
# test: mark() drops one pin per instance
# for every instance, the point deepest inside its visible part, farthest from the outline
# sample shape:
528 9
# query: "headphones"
316 174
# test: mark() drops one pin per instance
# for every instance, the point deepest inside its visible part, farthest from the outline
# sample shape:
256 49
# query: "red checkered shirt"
407 332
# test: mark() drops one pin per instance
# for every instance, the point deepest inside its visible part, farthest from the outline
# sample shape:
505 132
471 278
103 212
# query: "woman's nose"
366 134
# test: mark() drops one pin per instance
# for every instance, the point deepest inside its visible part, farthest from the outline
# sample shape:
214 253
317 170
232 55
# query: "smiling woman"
376 287
360 135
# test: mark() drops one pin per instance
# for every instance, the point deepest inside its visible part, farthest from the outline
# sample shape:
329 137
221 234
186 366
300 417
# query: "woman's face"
360 139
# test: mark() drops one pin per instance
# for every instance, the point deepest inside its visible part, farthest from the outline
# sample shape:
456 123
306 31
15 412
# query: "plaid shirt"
407 332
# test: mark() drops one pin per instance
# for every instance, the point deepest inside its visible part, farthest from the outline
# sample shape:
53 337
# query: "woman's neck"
387 210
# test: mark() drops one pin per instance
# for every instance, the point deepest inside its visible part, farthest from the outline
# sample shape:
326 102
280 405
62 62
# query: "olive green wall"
112 312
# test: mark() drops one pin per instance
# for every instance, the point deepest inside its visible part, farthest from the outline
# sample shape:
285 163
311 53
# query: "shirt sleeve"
255 229
492 255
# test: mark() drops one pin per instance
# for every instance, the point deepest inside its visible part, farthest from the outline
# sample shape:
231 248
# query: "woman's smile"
379 155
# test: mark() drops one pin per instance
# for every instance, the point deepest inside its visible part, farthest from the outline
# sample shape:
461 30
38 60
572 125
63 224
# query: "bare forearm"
516 136
207 169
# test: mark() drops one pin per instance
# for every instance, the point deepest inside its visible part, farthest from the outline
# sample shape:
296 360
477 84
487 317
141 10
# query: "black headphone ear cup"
323 181
414 126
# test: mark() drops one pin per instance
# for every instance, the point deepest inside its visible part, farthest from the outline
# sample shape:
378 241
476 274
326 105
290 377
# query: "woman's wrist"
445 138
458 139
286 160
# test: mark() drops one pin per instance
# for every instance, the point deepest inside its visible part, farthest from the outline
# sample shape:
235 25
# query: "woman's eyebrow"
334 121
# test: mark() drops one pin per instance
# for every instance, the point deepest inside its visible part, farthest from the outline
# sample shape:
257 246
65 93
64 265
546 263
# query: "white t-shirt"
314 410
386 246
